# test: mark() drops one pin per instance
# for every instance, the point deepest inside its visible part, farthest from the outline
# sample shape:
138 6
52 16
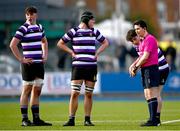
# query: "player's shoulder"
95 30
150 38
23 28
73 30
26 25
40 26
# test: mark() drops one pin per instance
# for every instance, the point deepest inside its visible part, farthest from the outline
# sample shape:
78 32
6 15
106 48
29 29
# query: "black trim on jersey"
34 31
85 60
89 53
79 34
76 28
70 34
83 44
160 55
22 31
163 62
34 57
30 40
33 49
26 25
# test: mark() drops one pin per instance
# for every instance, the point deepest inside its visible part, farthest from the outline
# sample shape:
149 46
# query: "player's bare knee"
88 95
27 87
74 94
25 93
36 91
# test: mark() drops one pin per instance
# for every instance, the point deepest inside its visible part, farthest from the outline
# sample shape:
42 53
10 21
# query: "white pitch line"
121 121
172 121
104 121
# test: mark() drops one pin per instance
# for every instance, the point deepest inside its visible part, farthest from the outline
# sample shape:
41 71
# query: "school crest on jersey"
91 34
31 30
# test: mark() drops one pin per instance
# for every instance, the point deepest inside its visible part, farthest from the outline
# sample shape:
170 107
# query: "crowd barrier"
122 82
59 83
54 84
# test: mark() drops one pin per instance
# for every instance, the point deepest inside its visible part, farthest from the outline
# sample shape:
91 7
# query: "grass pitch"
106 115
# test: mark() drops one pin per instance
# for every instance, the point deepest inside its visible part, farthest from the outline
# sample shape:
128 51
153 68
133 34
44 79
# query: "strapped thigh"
89 89
38 82
28 83
76 87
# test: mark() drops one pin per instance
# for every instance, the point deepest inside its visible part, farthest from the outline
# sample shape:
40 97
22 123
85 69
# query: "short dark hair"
86 16
30 10
130 35
141 23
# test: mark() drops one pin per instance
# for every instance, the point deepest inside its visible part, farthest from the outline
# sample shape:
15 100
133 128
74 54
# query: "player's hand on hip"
44 59
27 61
73 55
96 56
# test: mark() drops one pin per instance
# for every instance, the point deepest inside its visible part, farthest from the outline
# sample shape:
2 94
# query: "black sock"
24 112
35 112
153 108
87 118
149 107
158 115
71 118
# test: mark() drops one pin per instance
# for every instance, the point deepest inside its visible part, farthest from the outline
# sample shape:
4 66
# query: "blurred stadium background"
113 19
114 86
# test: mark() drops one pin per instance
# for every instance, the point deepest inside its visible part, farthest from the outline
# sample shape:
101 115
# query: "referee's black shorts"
84 73
150 76
32 71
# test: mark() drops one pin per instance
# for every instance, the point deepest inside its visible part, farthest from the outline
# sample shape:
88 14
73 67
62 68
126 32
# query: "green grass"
106 115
